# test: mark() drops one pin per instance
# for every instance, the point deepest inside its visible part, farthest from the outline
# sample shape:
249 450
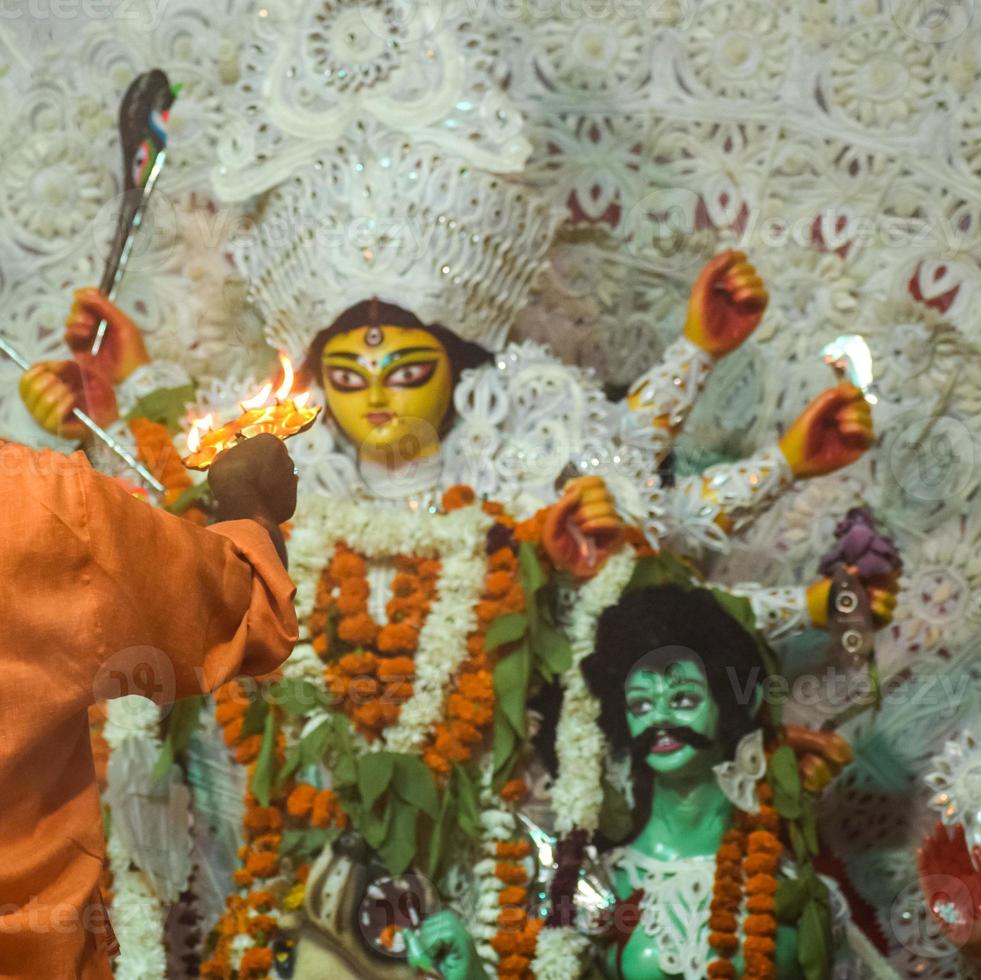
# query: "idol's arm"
834 431
726 306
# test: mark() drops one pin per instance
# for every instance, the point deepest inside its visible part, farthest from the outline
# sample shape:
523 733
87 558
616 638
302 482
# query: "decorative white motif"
664 397
144 380
738 777
674 910
736 492
559 953
577 793
955 778
780 613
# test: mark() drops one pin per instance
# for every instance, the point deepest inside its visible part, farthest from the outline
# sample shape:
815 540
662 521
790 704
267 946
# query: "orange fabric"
101 596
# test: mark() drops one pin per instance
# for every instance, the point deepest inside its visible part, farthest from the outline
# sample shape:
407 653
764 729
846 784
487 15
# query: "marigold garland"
746 866
267 882
517 932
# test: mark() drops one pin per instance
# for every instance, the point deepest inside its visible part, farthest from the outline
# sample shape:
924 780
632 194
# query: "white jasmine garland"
458 539
577 793
558 954
138 917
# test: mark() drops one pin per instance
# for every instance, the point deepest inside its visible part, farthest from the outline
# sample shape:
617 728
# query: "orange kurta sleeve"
101 596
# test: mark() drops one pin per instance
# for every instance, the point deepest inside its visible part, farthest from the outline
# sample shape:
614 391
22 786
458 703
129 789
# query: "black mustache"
640 745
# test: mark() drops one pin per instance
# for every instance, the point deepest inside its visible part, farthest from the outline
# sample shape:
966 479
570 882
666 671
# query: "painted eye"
412 375
343 379
685 701
640 706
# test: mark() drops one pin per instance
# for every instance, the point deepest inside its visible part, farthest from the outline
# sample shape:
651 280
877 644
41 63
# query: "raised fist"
52 390
881 590
444 943
833 432
122 350
583 529
727 304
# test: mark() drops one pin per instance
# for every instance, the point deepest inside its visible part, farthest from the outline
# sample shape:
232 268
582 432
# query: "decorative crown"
413 227
382 151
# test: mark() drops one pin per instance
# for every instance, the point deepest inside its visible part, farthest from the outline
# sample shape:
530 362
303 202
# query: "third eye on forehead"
386 361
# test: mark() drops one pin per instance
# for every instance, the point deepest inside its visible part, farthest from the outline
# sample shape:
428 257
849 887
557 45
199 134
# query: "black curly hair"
653 627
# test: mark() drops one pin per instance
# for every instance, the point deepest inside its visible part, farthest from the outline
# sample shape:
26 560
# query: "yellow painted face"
389 389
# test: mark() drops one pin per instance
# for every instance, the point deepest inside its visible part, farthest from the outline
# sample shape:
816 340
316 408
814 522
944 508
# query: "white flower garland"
577 793
558 954
138 917
458 539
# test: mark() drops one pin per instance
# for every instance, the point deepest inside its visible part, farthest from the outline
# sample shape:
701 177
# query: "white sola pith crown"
411 225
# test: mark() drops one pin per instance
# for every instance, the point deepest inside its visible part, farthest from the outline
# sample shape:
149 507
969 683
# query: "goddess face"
669 710
389 389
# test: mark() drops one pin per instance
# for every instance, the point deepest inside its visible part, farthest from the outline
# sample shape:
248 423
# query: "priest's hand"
256 480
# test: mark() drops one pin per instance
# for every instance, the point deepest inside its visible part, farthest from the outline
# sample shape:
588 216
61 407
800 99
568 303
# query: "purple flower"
859 544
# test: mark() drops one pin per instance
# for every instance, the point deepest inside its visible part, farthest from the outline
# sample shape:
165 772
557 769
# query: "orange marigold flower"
511 874
349 605
347 564
397 638
436 762
516 850
263 818
487 611
512 917
457 497
761 885
429 569
478 686
228 711
359 630
760 925
492 508
361 690
248 750
761 864
242 878
261 900
514 791
396 668
368 716
262 864
727 891
761 904
721 970
763 842
302 873
355 588
723 922
465 733
506 942
515 964
300 801
216 969
256 962
389 709
497 584
759 944
725 942
502 560
323 809
514 601
358 664
233 731
262 923
321 645
512 896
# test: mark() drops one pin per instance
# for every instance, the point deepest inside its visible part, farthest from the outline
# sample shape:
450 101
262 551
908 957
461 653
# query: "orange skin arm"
727 304
583 529
834 431
52 390
820 755
122 351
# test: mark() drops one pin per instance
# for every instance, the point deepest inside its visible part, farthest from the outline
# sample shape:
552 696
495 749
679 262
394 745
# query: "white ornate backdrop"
835 141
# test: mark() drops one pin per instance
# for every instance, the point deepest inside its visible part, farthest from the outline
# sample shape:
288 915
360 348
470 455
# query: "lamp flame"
287 386
300 401
198 428
259 399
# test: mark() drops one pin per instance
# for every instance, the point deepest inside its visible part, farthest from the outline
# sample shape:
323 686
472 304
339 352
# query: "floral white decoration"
379 532
738 777
955 778
577 793
559 953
